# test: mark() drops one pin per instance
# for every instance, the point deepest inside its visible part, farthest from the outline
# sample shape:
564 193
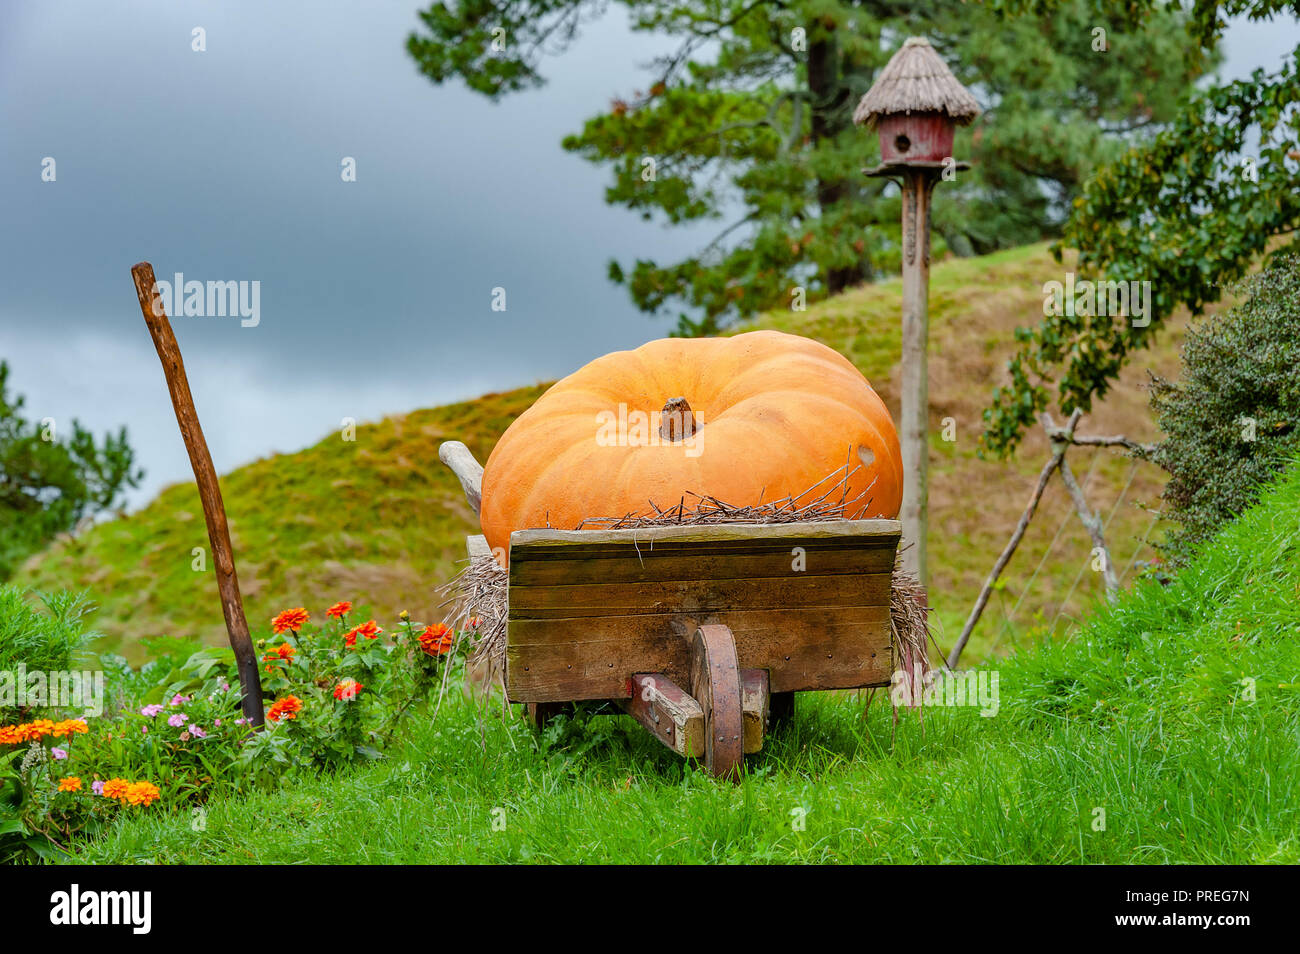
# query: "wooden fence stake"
214 509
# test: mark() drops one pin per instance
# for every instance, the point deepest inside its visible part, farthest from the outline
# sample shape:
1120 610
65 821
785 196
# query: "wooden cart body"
702 633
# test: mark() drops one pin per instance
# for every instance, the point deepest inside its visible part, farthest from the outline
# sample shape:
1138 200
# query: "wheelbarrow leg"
715 684
540 713
780 709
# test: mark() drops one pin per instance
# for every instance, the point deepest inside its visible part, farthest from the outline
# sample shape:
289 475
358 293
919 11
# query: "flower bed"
336 692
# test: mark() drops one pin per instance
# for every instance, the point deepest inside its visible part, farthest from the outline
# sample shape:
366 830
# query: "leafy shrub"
1230 422
47 641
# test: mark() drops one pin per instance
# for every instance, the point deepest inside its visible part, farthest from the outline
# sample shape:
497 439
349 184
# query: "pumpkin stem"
676 421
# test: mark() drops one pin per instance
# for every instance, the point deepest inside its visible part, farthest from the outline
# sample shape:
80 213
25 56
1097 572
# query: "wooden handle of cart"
467 470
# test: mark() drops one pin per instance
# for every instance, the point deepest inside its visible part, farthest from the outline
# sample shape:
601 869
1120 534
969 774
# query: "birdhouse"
916 104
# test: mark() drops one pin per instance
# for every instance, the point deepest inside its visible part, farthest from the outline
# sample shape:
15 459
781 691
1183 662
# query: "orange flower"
437 639
286 708
339 610
115 788
290 619
32 731
283 652
141 793
368 629
70 784
69 727
347 690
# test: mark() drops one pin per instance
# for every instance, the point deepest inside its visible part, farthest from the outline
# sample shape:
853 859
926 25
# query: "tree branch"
1091 522
1055 461
1095 440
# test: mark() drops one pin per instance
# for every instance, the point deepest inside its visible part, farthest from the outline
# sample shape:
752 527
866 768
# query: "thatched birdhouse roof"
915 80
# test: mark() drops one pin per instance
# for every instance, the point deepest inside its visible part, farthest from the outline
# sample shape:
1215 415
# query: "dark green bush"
1230 421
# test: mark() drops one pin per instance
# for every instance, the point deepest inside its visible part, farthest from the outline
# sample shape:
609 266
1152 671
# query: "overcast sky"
376 295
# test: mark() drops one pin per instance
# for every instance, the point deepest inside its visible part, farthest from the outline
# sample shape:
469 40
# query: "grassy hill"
1161 732
380 521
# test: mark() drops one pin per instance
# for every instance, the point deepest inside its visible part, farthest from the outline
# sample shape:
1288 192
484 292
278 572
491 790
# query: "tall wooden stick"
914 417
214 509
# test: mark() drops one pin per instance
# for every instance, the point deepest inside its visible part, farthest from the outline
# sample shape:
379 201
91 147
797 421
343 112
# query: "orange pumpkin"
770 414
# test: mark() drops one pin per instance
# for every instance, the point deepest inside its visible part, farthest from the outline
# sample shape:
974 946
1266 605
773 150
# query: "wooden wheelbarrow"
701 633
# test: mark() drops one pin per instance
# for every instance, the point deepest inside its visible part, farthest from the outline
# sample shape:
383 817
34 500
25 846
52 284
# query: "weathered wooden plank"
534 544
754 697
467 470
477 547
791 591
691 565
670 713
592 657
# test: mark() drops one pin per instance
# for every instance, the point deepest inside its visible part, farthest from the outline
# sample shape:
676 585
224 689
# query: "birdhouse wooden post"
915 106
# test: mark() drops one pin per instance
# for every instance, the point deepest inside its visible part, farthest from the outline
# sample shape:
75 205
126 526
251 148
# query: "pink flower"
97 786
152 710
177 719
216 722
59 753
144 730
179 700
198 732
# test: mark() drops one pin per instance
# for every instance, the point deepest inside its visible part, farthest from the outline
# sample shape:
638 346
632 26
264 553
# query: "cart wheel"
780 709
540 713
715 684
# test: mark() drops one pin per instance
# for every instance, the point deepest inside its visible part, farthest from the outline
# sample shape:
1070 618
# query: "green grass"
1143 713
380 521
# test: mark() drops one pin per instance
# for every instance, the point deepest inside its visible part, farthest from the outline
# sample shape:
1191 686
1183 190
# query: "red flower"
339 610
347 690
437 639
350 639
286 708
368 629
290 619
284 652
